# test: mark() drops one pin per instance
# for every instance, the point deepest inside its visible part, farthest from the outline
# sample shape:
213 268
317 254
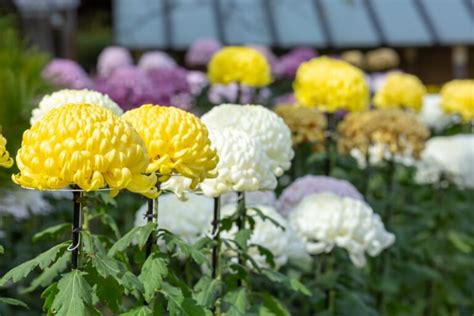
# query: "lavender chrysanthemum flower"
167 83
128 86
310 184
201 51
228 94
112 58
197 80
289 63
156 60
66 73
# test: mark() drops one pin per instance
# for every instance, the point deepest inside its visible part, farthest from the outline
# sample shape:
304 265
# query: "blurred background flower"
289 62
65 73
155 60
201 52
113 58
304 186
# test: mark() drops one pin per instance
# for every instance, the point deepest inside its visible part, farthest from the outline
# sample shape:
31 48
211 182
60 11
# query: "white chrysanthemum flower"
190 219
432 114
326 220
21 203
264 126
242 164
380 153
66 96
283 243
449 158
267 198
178 185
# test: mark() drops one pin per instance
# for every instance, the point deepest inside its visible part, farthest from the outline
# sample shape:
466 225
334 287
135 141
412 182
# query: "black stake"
241 223
331 127
216 236
152 216
76 229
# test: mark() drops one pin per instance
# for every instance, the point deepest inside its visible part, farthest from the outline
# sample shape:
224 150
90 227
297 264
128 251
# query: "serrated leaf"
74 295
52 232
137 235
48 275
291 283
191 251
108 220
237 302
206 291
110 292
242 237
48 296
131 284
139 311
272 307
42 261
153 271
175 298
106 266
14 302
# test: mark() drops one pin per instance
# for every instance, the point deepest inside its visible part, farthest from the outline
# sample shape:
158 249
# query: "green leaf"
2 250
106 266
110 292
74 295
242 237
458 242
291 283
12 301
137 235
153 271
192 251
206 291
139 311
108 220
48 296
52 232
175 298
237 302
42 261
132 284
49 274
272 307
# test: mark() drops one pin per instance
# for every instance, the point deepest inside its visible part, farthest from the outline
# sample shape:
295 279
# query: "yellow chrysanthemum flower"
458 97
306 124
243 65
331 85
401 90
87 146
177 142
5 160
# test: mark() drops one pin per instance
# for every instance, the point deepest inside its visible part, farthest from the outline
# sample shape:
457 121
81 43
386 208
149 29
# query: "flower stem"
76 229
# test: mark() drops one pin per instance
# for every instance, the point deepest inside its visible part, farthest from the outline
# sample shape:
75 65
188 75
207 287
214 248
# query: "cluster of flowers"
317 213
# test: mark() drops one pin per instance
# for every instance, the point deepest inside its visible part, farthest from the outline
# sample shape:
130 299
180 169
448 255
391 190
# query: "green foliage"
153 271
74 295
20 75
42 261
